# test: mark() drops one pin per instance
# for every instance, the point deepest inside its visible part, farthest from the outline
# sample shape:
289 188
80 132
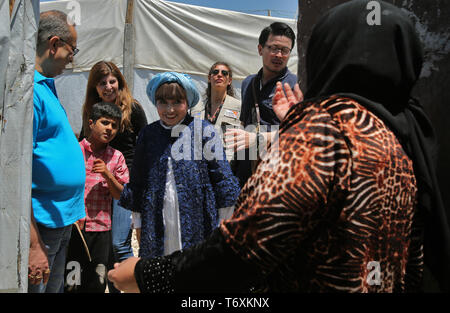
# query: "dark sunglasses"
224 72
75 50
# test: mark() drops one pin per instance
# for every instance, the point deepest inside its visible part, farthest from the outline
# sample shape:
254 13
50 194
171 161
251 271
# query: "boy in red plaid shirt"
106 172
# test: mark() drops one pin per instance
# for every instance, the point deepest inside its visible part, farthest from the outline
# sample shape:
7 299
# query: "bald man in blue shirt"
58 165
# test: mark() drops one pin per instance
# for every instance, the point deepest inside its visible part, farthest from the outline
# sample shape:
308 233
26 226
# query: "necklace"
213 118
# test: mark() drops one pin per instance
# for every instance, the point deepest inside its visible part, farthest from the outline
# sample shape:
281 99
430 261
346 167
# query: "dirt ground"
135 244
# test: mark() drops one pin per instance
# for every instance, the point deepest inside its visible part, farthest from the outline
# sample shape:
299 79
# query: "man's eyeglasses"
274 50
75 50
224 72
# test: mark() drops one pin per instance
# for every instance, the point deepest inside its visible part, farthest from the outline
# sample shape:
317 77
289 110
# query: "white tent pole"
128 46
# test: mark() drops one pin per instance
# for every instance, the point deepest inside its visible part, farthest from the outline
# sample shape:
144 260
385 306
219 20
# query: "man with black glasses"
58 164
275 45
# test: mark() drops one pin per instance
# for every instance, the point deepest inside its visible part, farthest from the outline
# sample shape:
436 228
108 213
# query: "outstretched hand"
239 139
122 276
282 102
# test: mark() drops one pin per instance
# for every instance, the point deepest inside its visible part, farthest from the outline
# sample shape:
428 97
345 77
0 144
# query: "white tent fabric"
100 28
178 37
17 56
168 37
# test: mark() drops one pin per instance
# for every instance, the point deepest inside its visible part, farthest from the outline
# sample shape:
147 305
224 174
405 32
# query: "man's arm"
37 259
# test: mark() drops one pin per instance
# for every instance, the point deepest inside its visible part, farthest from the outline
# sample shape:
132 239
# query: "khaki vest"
228 116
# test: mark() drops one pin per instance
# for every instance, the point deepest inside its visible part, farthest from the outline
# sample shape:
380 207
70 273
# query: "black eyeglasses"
75 50
224 72
274 50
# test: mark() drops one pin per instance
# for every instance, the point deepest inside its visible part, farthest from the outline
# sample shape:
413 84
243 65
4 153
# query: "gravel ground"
135 244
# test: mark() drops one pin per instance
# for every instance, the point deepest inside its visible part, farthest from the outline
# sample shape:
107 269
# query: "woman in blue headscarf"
180 184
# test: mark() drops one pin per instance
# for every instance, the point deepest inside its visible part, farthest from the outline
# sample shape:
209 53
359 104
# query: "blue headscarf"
168 77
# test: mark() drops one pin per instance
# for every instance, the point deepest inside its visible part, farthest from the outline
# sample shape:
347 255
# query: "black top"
125 141
264 97
208 267
378 65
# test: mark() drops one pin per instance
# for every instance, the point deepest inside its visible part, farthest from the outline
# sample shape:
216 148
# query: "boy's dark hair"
106 109
277 29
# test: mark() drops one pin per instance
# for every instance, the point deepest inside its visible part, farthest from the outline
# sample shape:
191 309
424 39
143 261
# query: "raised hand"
282 102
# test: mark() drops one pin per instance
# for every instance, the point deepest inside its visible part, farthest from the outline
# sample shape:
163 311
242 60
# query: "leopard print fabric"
332 208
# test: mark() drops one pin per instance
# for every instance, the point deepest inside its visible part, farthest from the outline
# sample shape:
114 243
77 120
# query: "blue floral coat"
203 184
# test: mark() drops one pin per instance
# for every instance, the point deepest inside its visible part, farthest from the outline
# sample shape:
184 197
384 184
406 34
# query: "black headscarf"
378 65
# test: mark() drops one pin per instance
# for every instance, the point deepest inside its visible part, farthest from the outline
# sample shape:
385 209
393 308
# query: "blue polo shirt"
58 166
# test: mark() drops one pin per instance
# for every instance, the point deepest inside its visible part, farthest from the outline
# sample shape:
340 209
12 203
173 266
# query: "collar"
38 77
282 75
50 82
86 145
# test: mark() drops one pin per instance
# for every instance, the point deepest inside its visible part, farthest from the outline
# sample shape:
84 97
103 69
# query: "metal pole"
128 46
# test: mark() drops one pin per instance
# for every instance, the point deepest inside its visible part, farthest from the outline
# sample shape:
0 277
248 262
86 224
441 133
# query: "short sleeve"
121 172
37 111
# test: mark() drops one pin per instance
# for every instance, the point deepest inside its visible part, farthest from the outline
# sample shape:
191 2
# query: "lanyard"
258 117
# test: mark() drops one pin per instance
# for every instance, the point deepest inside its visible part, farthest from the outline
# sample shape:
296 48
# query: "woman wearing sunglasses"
221 108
